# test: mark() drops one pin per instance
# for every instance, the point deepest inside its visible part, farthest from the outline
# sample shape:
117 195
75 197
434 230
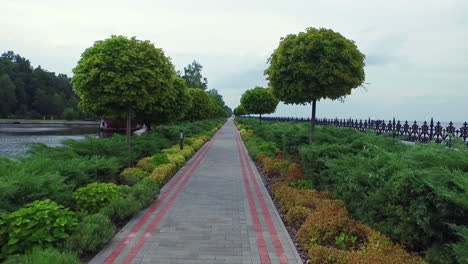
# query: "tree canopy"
240 110
175 107
259 101
218 106
202 107
193 76
118 76
314 65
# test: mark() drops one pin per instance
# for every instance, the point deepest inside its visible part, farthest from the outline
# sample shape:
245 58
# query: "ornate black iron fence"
409 131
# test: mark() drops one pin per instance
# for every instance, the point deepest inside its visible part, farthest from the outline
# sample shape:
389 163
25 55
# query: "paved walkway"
214 210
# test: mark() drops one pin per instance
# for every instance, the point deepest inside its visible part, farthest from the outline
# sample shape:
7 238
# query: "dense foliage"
84 176
408 192
193 76
29 92
259 101
120 76
41 223
240 110
313 65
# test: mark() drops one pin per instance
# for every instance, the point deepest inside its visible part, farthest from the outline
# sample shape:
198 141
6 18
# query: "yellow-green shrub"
187 152
327 255
176 159
380 249
246 133
322 226
146 164
297 215
204 138
163 173
197 143
94 196
131 176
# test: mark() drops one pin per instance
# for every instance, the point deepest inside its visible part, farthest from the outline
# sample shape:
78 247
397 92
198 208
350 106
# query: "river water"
15 138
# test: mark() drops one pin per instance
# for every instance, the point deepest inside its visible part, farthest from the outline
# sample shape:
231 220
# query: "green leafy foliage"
131 176
345 242
193 76
301 184
175 107
92 234
29 92
121 209
461 247
202 106
97 195
160 159
408 192
145 192
118 75
41 223
240 110
315 64
259 101
44 256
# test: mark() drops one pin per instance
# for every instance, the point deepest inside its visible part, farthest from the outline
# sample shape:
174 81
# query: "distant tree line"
28 92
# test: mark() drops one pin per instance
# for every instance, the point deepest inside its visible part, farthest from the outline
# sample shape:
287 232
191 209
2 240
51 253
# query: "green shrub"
460 248
44 256
408 192
160 159
122 209
131 176
96 195
267 148
301 184
94 232
145 191
163 173
41 223
176 159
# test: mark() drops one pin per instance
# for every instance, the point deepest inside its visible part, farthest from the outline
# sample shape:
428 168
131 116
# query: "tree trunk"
260 119
312 119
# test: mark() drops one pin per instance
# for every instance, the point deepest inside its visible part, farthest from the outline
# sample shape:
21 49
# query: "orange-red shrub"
297 215
294 172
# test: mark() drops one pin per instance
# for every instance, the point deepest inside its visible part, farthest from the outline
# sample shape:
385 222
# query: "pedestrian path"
214 210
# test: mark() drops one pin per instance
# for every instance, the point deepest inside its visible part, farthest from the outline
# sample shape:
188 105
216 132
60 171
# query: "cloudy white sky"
417 51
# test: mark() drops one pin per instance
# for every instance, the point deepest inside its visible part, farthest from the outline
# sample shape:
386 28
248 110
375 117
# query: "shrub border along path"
211 220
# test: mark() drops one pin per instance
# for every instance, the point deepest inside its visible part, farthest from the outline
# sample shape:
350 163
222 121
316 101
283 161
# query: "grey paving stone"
210 219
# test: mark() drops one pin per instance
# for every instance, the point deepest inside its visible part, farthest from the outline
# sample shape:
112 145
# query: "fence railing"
409 131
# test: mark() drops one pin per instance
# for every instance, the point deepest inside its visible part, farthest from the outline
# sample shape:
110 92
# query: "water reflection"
15 138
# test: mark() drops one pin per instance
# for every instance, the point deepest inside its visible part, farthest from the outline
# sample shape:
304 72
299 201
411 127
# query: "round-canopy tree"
313 65
240 110
173 109
259 101
118 77
202 106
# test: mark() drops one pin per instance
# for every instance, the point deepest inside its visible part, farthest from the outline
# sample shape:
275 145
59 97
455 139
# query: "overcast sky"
417 51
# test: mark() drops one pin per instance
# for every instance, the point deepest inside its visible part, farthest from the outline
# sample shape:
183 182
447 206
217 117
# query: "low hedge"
324 227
